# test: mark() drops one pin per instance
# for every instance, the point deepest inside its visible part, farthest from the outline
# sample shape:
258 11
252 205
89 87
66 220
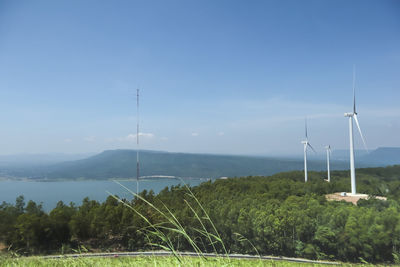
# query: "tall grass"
173 225
149 261
206 233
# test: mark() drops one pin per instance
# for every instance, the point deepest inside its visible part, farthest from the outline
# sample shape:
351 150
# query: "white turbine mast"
306 145
353 115
328 154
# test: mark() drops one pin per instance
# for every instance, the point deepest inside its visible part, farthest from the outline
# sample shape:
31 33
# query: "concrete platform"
349 197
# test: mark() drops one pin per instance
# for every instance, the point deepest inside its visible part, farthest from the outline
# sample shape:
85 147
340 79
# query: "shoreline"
6 179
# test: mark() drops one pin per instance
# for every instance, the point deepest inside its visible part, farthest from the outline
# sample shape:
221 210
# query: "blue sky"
231 77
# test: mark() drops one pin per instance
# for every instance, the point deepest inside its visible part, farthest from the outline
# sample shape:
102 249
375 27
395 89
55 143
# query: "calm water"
49 193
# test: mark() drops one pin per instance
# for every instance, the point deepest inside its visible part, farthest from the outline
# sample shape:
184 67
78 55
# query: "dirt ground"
2 246
349 197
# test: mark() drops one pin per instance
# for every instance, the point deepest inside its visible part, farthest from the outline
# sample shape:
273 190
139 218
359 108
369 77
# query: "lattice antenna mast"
137 142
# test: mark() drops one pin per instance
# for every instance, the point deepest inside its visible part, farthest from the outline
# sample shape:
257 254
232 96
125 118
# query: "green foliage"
275 215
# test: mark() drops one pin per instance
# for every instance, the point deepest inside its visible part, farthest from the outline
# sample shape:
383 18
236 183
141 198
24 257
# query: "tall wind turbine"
306 145
328 153
353 115
137 142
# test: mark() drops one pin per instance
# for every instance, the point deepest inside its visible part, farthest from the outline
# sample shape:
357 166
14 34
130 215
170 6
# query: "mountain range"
122 164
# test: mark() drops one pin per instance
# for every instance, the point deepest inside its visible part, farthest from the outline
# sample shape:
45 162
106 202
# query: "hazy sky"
234 77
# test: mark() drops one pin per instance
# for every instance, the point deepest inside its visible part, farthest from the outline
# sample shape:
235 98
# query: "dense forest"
274 215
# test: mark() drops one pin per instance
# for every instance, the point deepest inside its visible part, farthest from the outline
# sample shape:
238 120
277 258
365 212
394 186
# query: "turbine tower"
328 153
137 142
351 116
306 145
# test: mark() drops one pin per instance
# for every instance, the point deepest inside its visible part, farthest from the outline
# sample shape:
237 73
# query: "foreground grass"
150 261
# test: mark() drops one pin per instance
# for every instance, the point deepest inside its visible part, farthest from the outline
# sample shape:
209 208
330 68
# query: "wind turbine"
328 153
353 115
306 145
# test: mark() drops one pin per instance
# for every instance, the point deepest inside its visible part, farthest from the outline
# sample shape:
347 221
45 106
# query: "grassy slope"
149 261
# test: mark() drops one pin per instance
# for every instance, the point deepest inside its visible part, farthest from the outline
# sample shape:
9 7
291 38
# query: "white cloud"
195 134
221 133
132 137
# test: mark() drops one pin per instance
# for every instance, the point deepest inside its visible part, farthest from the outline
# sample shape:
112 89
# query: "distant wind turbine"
306 145
353 115
328 153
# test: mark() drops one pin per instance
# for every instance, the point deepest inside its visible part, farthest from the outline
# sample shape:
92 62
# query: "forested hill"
122 164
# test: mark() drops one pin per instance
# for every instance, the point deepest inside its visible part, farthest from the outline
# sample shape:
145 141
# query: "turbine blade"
354 89
306 128
311 148
359 129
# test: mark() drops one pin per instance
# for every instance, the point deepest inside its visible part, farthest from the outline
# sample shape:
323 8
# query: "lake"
49 193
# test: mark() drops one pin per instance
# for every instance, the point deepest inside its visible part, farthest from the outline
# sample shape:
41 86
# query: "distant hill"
382 156
122 164
39 159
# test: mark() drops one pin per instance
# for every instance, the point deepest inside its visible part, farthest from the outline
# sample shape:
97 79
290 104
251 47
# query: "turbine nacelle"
348 114
306 145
